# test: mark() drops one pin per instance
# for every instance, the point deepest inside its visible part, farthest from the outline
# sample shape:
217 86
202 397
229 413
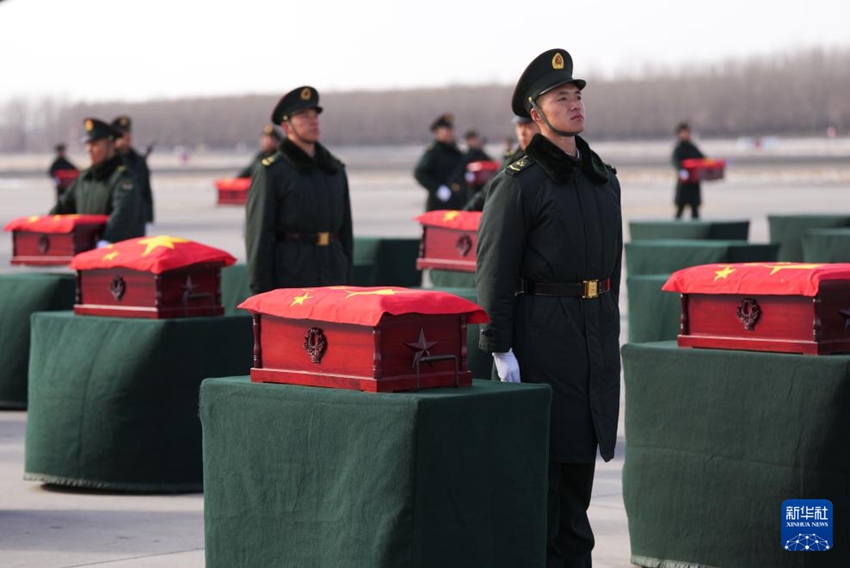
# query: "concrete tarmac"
48 527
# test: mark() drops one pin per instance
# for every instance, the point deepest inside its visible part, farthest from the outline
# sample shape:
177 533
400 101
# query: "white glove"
148 228
443 193
507 367
101 244
683 174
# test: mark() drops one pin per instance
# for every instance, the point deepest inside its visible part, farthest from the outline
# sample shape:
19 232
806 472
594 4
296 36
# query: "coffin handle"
431 359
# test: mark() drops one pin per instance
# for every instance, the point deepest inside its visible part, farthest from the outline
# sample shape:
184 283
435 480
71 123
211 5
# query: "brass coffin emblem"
464 245
118 287
315 343
749 313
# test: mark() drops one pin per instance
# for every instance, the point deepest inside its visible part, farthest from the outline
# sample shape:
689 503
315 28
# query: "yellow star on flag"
160 241
381 292
450 215
723 273
299 300
33 219
799 266
110 255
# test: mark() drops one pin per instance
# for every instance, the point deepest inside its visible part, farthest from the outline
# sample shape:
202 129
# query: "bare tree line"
797 94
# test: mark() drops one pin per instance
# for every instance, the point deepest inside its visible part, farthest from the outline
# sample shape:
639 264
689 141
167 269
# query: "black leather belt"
322 239
585 289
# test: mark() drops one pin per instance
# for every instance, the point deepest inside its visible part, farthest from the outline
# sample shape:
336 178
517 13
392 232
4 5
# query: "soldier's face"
267 143
122 143
444 134
525 131
306 125
99 150
564 108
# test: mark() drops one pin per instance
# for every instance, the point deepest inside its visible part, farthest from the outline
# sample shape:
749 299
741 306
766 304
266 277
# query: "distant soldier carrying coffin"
106 188
441 168
298 216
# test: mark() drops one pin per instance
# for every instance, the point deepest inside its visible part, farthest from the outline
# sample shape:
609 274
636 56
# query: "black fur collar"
561 167
323 159
105 169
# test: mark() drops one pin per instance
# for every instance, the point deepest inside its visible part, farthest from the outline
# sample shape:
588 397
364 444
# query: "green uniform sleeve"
424 172
260 212
346 233
66 204
501 240
125 220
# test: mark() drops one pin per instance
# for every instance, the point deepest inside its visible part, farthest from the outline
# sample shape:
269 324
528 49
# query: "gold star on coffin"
422 348
164 241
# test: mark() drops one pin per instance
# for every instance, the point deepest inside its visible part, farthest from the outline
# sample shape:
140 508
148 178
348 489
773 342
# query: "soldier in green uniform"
688 193
525 129
548 274
105 188
298 216
136 163
441 168
269 140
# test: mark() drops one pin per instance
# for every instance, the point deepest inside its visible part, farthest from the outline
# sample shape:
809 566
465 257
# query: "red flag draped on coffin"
766 278
359 305
54 223
155 254
450 219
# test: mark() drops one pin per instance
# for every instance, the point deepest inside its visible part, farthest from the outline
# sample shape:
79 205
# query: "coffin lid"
692 163
233 184
156 254
764 278
53 223
359 305
450 219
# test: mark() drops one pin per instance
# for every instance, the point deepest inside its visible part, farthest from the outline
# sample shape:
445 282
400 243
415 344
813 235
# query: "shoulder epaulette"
519 165
270 160
121 168
610 167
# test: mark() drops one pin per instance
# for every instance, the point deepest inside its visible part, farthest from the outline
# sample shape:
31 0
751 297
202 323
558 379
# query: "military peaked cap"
295 101
521 119
98 130
269 130
447 120
547 71
123 123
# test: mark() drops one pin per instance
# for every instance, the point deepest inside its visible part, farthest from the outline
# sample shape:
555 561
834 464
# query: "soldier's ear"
535 116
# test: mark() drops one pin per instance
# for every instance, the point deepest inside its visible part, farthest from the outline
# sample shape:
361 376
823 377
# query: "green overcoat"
293 194
442 164
552 218
106 189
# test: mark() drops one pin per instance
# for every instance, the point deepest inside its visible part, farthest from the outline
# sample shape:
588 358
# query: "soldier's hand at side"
101 244
507 367
683 174
443 193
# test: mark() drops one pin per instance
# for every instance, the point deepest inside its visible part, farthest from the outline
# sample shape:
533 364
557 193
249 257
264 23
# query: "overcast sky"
114 49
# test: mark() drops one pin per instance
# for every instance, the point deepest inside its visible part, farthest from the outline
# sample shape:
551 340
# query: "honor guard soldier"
269 140
548 274
688 193
440 170
105 188
136 163
61 164
298 216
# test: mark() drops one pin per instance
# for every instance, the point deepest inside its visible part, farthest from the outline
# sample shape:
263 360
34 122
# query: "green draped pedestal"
452 279
826 245
113 402
716 440
21 295
234 288
789 230
665 256
654 315
383 261
728 230
303 476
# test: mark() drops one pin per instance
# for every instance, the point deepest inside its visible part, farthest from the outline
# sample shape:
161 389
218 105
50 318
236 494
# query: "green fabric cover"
693 229
20 296
717 439
452 279
113 402
788 231
665 256
234 288
826 245
654 315
308 477
381 261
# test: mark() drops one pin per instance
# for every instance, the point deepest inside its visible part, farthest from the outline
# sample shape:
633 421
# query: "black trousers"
569 537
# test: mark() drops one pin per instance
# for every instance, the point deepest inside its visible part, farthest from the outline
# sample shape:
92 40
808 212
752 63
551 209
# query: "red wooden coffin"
703 169
151 277
53 239
785 307
233 191
449 240
480 172
369 339
64 178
